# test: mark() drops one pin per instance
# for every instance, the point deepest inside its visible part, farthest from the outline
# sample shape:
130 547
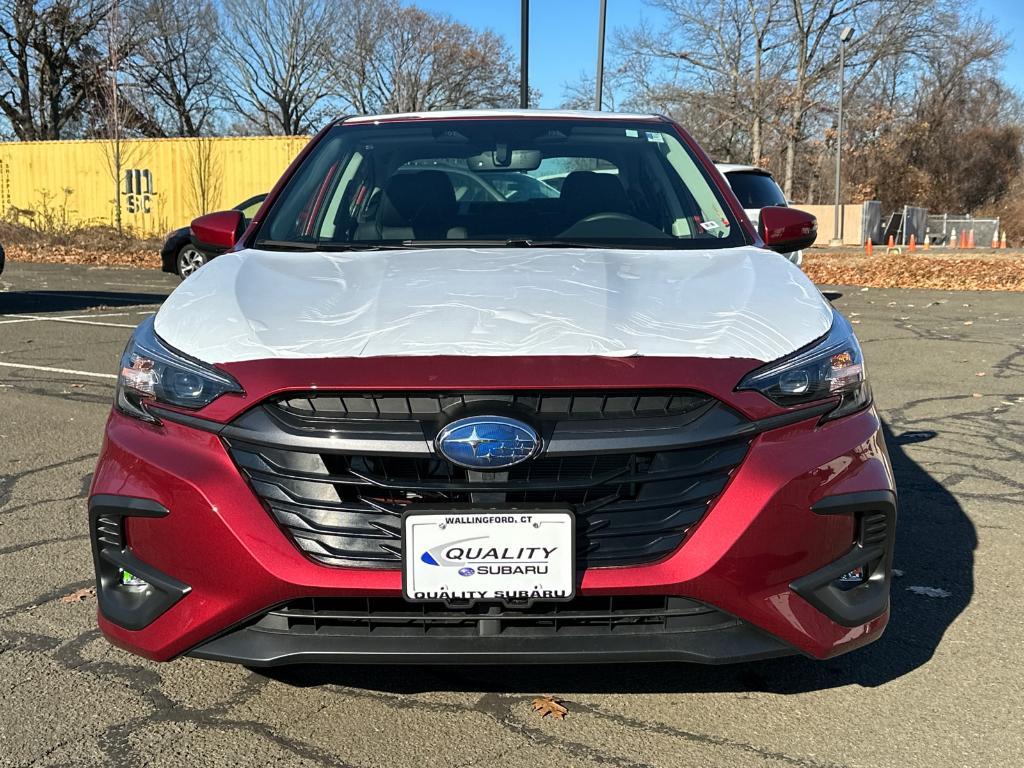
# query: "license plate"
517 556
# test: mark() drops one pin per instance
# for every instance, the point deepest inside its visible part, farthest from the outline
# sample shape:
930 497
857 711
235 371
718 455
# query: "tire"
189 260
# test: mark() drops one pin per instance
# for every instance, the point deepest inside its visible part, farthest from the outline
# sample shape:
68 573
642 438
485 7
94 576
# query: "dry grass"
101 246
975 270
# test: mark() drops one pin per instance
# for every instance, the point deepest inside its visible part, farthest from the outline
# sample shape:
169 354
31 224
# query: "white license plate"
515 556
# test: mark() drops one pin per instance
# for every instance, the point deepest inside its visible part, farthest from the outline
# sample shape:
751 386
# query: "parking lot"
941 688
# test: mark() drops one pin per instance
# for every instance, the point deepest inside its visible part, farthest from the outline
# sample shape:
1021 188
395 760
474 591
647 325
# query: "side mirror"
218 231
785 230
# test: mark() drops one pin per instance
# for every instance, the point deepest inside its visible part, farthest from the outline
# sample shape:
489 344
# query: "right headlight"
831 368
153 372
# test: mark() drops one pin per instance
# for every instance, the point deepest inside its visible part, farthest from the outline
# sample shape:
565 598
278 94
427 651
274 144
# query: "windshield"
755 190
586 183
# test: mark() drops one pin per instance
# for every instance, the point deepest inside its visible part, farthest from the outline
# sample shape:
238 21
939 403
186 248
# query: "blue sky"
563 33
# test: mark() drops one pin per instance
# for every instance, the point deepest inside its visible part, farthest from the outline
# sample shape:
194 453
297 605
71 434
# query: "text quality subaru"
402 423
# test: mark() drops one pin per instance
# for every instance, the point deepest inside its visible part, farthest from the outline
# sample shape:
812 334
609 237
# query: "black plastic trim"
571 440
131 609
737 642
862 603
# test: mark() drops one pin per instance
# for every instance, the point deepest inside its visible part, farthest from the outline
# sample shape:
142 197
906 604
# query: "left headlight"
831 368
152 372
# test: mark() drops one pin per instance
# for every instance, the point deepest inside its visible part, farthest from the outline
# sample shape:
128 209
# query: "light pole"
600 54
524 54
844 37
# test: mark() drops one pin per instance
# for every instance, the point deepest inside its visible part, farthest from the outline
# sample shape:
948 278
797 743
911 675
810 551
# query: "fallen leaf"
79 595
549 705
977 394
980 373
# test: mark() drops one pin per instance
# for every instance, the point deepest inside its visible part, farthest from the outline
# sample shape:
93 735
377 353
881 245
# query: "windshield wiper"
305 245
524 242
285 245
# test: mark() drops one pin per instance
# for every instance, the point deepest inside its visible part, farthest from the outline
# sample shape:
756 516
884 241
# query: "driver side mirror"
218 231
785 230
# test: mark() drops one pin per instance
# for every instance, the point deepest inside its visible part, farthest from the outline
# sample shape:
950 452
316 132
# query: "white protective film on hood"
739 302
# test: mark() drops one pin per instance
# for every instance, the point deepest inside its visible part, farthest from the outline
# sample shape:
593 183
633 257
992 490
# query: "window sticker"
656 137
709 225
633 133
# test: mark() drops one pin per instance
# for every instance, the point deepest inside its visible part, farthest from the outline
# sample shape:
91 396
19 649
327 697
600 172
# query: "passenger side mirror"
785 230
218 231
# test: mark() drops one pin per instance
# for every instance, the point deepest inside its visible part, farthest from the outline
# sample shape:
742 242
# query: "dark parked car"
3 258
182 257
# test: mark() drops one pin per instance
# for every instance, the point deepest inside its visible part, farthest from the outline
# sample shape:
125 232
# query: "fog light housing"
131 581
853 578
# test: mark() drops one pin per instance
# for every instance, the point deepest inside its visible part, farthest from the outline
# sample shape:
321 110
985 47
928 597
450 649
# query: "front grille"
431 405
342 502
582 616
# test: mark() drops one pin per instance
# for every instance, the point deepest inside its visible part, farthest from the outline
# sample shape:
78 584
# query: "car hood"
739 302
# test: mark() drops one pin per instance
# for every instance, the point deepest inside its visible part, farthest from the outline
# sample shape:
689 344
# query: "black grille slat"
554 403
634 614
343 507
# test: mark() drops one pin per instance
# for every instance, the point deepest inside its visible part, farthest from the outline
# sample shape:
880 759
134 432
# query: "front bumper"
757 557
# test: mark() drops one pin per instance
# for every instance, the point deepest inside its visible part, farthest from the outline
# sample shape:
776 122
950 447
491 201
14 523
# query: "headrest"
586 192
417 198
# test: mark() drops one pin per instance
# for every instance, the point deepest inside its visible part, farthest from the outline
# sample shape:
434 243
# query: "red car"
397 425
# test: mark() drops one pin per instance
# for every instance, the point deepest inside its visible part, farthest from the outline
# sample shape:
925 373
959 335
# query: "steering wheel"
621 224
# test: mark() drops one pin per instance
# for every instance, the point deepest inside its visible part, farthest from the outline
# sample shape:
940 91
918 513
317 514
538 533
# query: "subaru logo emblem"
488 442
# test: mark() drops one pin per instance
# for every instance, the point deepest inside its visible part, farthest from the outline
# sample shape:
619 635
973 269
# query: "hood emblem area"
488 442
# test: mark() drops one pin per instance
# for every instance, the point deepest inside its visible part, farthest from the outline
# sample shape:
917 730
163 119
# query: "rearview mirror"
785 230
504 159
218 231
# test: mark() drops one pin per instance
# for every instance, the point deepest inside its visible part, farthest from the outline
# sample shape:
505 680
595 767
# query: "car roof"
738 168
457 114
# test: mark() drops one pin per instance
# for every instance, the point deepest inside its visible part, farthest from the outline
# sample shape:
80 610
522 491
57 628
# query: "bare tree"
49 59
756 79
176 67
395 58
279 59
950 137
206 175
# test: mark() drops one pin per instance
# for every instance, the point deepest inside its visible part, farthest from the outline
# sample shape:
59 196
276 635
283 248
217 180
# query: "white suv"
756 189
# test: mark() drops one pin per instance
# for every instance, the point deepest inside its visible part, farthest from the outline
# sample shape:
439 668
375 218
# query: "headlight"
832 367
152 372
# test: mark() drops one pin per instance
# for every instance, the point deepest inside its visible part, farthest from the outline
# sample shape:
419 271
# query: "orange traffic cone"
892 241
924 245
952 238
970 240
913 243
869 247
995 238
1002 243
963 239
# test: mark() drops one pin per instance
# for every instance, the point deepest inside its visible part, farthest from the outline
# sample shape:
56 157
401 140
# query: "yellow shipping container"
160 184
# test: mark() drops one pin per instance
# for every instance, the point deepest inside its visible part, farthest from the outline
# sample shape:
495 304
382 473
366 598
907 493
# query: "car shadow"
33 302
935 543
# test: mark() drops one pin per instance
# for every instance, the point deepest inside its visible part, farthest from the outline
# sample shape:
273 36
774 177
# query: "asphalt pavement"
941 688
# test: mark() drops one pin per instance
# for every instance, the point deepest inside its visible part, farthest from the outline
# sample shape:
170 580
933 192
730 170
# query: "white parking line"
48 369
65 319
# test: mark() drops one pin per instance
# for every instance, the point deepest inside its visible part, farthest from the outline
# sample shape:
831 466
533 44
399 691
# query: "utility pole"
524 54
844 37
600 55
